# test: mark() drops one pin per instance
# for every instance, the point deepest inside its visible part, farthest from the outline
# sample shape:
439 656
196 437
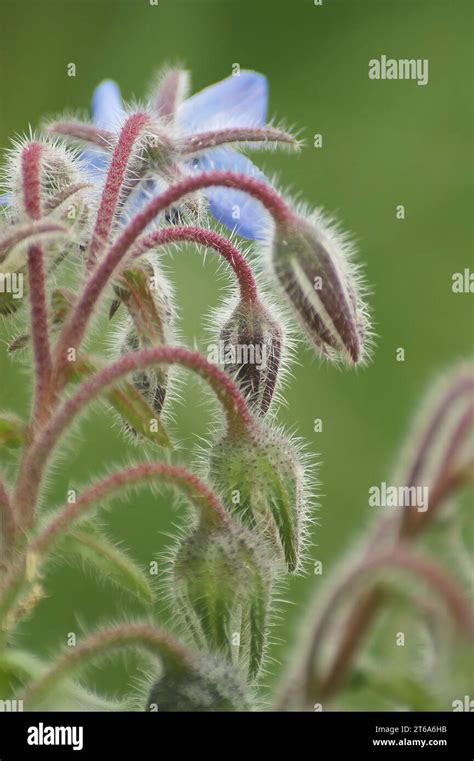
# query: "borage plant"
83 232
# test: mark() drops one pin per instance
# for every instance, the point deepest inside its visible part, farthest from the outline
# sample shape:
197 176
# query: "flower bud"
144 293
208 685
261 481
63 183
251 342
221 583
311 266
150 383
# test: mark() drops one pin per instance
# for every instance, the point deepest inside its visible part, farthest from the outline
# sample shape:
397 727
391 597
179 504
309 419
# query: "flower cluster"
88 210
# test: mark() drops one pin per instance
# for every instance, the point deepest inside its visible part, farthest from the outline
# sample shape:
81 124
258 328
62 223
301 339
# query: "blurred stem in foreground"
441 460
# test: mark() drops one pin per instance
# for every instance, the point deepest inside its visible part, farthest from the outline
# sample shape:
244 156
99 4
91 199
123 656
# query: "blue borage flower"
235 102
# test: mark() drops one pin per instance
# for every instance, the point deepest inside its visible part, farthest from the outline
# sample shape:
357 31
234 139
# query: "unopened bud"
251 342
266 473
144 292
311 267
221 580
150 383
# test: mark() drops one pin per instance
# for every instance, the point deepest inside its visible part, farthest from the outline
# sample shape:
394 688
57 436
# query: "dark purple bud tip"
250 346
312 266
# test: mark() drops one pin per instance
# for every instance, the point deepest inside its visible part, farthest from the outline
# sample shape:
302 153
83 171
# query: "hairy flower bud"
251 343
150 383
62 182
209 685
310 264
221 582
143 290
261 481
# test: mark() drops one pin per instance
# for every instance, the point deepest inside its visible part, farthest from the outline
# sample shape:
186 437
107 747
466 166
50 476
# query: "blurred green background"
384 144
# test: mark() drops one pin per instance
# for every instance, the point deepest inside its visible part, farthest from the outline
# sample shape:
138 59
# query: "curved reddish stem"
204 499
210 239
87 133
205 140
21 233
434 575
170 93
131 131
156 641
412 521
239 419
31 178
463 385
75 328
206 502
362 615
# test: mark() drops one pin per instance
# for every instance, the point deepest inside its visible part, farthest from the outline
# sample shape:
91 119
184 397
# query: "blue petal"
238 101
107 105
142 195
6 199
226 203
107 113
95 164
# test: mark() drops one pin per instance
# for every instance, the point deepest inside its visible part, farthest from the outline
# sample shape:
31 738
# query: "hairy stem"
131 131
40 333
239 419
213 138
169 93
86 133
66 194
75 328
31 180
462 386
144 636
22 234
413 521
316 687
210 239
206 501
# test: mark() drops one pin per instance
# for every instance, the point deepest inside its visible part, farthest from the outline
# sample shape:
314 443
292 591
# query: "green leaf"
12 430
90 544
127 401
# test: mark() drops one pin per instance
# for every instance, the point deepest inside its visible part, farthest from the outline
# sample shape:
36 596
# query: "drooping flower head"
312 262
